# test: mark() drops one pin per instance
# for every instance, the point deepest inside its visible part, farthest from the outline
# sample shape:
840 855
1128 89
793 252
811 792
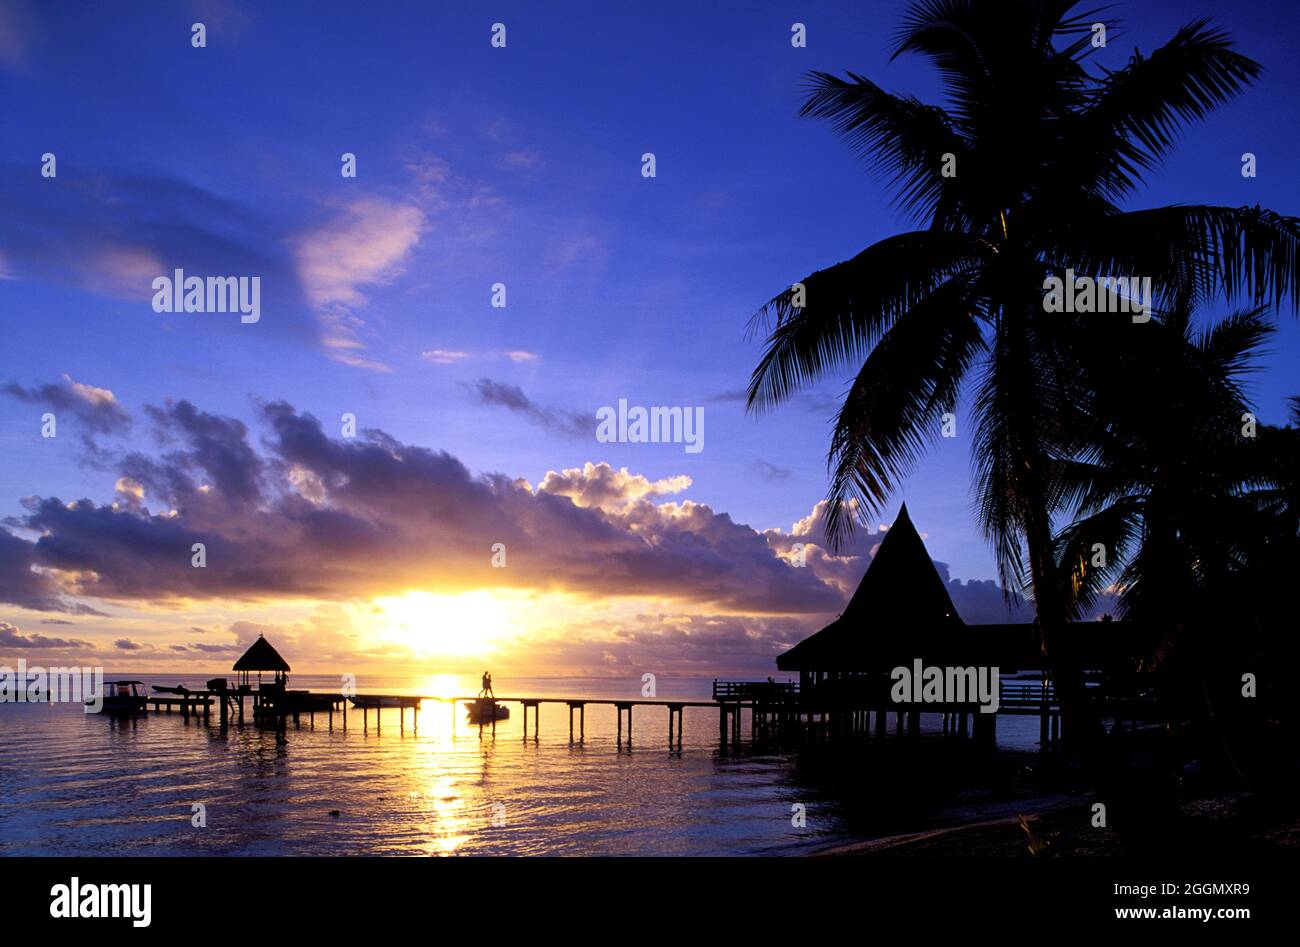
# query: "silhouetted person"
487 686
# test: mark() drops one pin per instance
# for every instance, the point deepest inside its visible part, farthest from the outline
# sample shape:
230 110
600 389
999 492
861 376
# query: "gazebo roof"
900 601
261 657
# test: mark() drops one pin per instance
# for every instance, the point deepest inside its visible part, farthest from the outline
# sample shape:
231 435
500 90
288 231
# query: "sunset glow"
429 625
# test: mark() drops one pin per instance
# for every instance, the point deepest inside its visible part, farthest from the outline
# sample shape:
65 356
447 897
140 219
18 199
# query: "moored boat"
307 702
121 697
485 711
381 700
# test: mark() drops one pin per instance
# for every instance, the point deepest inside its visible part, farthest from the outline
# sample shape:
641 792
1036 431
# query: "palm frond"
900 135
1183 81
892 410
848 307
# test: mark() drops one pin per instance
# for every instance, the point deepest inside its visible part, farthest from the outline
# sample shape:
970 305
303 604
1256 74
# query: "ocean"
73 783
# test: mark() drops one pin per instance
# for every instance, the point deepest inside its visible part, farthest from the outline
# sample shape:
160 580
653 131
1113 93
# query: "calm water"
73 783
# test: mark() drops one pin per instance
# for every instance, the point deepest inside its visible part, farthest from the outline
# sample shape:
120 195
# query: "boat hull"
121 705
372 702
486 711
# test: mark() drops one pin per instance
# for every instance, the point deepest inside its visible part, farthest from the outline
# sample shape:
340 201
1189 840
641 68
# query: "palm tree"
1193 509
1019 176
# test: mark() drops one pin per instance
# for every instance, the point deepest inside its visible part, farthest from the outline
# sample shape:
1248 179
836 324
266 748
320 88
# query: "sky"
474 424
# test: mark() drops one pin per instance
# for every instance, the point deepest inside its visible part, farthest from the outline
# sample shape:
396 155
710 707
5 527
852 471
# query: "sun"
431 625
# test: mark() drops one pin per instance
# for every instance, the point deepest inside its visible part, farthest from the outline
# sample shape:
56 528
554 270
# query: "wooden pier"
819 706
777 711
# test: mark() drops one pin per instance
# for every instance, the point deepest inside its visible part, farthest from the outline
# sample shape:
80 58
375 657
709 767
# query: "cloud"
443 356
663 642
96 408
557 421
822 404
364 245
218 648
126 644
602 487
220 16
430 172
310 517
574 249
438 188
11 637
23 585
521 159
734 394
112 232
452 356
770 471
218 449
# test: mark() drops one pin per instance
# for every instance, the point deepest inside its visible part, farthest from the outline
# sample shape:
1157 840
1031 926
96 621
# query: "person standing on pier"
487 686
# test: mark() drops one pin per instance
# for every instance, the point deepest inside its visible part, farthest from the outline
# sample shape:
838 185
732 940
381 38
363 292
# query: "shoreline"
974 837
1241 822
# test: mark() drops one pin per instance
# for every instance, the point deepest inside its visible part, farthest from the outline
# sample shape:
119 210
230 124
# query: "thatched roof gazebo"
902 611
900 605
262 657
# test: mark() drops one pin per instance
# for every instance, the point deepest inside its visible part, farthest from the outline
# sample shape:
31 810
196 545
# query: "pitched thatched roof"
261 657
901 601
901 611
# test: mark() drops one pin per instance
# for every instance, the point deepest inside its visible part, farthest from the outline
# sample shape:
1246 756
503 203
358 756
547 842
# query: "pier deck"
776 710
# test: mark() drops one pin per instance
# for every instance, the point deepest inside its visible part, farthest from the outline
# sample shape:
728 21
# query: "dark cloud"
126 644
770 471
95 408
23 586
113 231
11 637
332 519
812 402
511 397
733 395
980 601
314 517
217 446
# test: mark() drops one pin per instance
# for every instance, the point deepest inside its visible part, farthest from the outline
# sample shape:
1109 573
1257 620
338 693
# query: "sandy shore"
1063 827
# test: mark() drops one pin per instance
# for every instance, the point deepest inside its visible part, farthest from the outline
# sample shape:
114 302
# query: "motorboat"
121 697
485 710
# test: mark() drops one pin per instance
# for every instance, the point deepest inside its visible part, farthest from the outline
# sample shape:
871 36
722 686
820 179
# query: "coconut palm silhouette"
1024 172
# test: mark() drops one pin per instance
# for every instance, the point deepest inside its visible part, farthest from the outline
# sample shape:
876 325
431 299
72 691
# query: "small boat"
307 702
486 711
181 689
121 697
380 700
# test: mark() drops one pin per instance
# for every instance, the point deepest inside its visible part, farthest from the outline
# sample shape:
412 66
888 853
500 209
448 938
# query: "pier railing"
867 692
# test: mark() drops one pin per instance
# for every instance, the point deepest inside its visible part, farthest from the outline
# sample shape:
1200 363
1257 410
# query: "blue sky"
475 166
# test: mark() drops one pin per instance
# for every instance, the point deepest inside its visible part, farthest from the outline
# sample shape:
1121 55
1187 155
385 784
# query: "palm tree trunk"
1134 813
